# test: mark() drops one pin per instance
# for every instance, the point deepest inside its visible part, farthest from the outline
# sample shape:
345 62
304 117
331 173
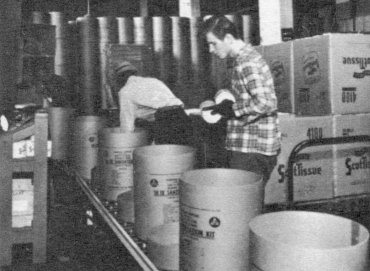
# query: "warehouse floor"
72 243
72 247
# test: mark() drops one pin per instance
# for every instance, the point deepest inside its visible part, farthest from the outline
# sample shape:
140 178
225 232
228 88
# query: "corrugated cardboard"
280 60
332 74
276 187
313 171
351 161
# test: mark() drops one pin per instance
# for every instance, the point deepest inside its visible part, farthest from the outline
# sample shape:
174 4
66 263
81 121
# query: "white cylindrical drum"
302 241
115 160
125 207
60 126
157 169
163 246
216 206
85 143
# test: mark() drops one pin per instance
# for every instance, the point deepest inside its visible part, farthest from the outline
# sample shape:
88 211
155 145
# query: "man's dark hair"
219 26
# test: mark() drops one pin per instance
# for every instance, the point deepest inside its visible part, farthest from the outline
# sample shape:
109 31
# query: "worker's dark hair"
120 80
219 26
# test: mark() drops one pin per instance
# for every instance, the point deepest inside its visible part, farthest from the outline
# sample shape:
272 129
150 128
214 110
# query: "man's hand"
225 109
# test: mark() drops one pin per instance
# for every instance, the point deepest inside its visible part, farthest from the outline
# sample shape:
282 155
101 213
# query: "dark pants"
253 162
172 126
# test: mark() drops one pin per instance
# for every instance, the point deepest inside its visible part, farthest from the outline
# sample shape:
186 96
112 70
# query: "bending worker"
149 99
253 134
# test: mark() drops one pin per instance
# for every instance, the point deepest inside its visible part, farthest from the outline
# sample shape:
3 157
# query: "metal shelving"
124 232
356 207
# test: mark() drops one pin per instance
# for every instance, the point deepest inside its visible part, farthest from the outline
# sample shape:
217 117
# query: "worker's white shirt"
141 97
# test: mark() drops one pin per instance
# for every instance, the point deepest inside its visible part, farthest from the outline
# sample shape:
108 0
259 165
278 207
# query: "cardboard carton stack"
323 89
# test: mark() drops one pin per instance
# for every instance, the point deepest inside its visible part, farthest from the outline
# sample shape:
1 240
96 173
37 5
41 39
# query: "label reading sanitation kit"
119 167
165 191
198 230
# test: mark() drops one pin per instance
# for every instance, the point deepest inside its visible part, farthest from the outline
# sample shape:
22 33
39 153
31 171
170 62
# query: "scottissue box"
279 57
332 74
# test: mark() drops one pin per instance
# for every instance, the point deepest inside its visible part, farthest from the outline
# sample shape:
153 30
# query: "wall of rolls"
10 22
180 55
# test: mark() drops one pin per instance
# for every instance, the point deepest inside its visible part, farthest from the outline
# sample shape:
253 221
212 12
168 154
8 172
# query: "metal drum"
216 206
157 170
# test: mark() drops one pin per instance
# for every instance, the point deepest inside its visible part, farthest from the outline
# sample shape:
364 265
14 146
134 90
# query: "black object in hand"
225 109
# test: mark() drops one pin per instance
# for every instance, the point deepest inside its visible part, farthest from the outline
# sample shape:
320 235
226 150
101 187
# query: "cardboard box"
280 60
276 187
331 74
351 161
313 169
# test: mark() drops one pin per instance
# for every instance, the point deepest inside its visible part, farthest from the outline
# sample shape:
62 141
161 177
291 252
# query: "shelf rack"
37 166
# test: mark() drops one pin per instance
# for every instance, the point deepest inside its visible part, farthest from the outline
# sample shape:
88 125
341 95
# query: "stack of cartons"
280 59
351 161
323 82
312 168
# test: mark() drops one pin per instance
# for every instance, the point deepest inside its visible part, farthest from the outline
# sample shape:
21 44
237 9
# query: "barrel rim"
89 117
258 178
258 218
112 130
144 152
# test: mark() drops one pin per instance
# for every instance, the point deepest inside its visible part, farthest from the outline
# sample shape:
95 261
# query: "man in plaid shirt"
253 135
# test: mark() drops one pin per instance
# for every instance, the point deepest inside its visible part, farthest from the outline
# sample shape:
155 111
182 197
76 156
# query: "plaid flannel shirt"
256 126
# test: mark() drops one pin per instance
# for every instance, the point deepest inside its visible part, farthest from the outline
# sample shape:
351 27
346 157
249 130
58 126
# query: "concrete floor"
75 247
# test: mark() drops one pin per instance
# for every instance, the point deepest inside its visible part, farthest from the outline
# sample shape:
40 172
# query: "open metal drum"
302 241
216 206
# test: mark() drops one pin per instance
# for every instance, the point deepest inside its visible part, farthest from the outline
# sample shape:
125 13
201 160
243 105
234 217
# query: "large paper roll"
206 114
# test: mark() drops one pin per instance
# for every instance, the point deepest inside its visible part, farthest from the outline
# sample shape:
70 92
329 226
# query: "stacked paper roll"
223 94
206 114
